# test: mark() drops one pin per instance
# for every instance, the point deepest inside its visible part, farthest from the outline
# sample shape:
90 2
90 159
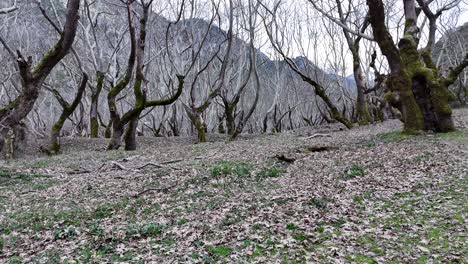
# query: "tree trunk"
55 133
416 87
130 135
93 113
230 119
361 104
399 81
221 129
108 131
201 129
116 139
197 122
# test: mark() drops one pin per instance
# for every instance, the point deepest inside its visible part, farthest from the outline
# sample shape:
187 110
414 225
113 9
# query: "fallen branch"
150 164
102 166
285 159
7 10
76 172
318 135
26 192
172 161
129 158
160 166
117 165
320 148
164 190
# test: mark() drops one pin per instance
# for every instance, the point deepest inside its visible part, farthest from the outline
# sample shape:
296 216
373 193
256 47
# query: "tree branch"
8 10
453 75
340 23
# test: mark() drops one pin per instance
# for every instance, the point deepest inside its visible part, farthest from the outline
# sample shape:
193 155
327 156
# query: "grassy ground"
370 195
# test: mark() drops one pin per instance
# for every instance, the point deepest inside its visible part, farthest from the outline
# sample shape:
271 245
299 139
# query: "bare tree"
33 77
277 37
353 41
194 111
235 129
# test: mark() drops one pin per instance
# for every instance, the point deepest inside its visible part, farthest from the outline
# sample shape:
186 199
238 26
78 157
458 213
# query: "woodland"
233 131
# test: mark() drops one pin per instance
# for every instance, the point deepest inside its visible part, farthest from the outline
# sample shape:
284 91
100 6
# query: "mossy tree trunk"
68 110
230 118
416 87
130 135
93 113
116 138
199 124
363 114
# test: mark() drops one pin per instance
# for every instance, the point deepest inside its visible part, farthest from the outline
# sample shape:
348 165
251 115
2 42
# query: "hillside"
348 196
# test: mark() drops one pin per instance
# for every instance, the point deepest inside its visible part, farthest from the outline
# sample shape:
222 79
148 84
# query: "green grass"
270 172
182 221
359 258
151 230
42 163
240 169
15 260
354 171
457 136
9 178
299 237
393 136
220 251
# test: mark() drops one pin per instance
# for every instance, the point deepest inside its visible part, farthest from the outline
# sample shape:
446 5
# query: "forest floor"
369 195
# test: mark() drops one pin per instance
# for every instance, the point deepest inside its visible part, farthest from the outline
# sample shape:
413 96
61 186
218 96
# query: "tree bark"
93 113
